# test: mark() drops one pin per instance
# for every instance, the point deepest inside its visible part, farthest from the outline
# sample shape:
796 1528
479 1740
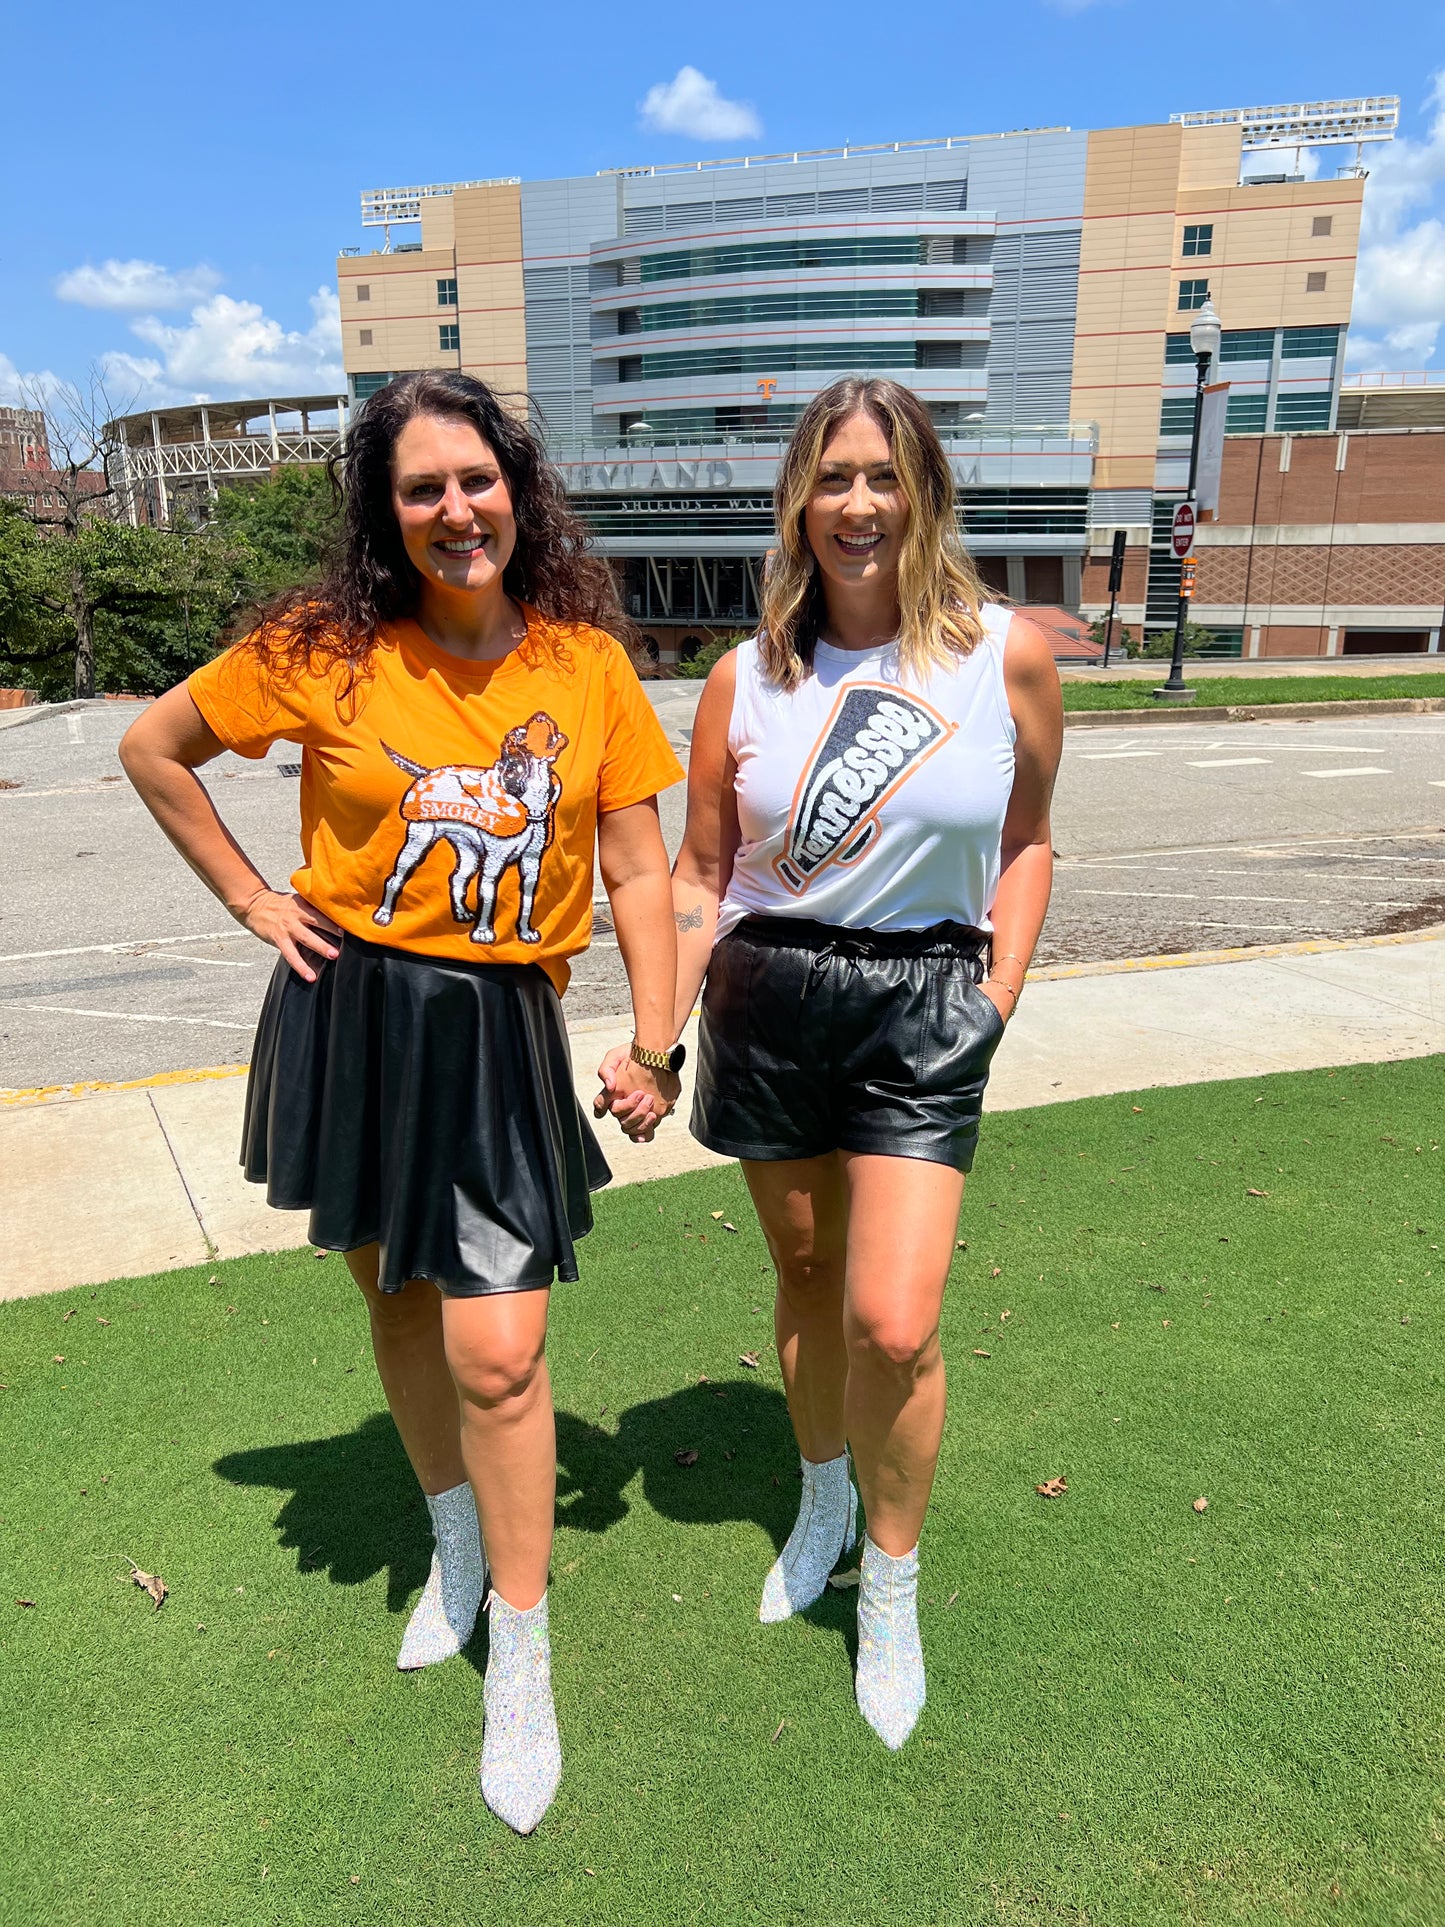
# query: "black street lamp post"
1205 335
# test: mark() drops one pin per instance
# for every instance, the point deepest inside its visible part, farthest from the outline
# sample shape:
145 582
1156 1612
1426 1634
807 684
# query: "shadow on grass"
355 1510
743 1441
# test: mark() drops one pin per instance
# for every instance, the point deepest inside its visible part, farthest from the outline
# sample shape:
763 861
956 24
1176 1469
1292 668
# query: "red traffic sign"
1182 533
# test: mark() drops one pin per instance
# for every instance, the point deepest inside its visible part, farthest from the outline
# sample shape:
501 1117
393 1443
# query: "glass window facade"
782 359
1309 344
1176 415
451 337
778 257
1245 414
1238 344
1199 238
1193 294
827 304
1247 344
446 291
1296 413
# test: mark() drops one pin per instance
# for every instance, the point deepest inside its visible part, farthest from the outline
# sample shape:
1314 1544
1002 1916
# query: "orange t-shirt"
450 808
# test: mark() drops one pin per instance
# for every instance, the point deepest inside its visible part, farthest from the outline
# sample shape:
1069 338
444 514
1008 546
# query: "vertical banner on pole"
1211 446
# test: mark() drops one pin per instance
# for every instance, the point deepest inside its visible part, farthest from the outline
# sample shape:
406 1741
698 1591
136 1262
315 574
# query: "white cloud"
1280 160
1400 279
22 389
130 286
235 348
690 104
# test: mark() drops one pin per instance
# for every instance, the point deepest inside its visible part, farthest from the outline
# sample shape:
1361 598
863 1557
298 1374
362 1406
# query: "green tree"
699 666
281 528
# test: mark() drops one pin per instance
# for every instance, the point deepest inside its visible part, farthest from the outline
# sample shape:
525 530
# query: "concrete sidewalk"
110 1183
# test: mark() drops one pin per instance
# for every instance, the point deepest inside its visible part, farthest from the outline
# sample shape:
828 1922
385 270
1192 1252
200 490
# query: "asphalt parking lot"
116 963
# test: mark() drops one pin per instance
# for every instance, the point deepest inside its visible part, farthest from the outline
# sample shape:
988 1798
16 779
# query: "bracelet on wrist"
1003 984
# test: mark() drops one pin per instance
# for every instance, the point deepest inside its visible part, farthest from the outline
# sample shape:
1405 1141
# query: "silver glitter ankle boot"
827 1525
447 1610
521 1753
890 1685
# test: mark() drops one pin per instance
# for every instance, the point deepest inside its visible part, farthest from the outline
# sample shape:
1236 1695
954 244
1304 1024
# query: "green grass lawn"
1138 1713
1222 690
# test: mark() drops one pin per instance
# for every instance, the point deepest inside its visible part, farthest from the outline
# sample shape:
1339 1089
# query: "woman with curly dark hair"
469 725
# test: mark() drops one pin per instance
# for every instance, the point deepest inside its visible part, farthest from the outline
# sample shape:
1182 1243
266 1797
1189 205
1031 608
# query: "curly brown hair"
367 578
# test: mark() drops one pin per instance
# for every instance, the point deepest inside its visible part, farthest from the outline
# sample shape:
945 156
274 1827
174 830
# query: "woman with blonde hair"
863 878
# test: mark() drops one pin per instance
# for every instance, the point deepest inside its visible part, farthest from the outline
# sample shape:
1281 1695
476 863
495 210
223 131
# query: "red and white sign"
1182 534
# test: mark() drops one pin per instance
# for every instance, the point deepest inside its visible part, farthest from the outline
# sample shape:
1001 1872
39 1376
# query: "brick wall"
1351 574
1388 476
1094 591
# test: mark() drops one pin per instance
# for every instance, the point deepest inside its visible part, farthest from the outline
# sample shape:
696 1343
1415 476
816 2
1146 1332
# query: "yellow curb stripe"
1253 953
43 1093
1048 973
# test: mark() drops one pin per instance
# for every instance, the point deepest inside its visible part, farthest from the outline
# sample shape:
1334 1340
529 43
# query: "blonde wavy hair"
939 589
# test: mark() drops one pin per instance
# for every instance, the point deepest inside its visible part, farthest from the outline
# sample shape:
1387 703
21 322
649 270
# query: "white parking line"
131 943
75 725
128 1016
1181 896
1115 755
1365 769
1230 762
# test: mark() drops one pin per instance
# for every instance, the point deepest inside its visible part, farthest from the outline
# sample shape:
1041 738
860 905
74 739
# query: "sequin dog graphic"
492 818
875 739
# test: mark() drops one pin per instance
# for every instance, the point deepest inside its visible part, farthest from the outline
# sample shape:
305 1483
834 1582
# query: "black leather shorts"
817 1039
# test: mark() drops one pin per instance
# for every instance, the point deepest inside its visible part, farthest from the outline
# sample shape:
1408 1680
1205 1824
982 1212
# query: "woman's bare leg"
802 1206
902 1221
495 1352
406 1340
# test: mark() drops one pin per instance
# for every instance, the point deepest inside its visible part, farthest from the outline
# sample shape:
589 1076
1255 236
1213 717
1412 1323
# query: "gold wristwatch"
659 1060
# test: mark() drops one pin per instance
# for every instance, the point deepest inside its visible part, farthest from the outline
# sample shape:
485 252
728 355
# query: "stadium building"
1034 288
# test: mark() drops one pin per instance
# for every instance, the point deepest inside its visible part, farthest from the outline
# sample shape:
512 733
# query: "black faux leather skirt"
427 1107
816 1038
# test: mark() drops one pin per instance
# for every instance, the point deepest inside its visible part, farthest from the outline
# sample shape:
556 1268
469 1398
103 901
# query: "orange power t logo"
766 387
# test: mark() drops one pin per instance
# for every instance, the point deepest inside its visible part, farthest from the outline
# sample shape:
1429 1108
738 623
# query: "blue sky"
189 174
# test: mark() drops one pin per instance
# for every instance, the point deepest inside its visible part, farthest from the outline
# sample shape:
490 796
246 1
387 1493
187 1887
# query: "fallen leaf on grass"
101 1321
750 1359
715 1215
1137 1109
68 1316
149 1582
1052 1488
1003 1315
949 1601
844 1581
996 1272
689 1457
24 1602
730 1227
321 1254
1252 1193
978 1354
59 1359
778 1728
1201 1505
961 1245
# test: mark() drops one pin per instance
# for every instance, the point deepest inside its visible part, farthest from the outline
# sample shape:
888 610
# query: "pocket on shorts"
726 1027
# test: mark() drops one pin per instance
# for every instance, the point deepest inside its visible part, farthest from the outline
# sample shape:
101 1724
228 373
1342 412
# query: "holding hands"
635 1094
